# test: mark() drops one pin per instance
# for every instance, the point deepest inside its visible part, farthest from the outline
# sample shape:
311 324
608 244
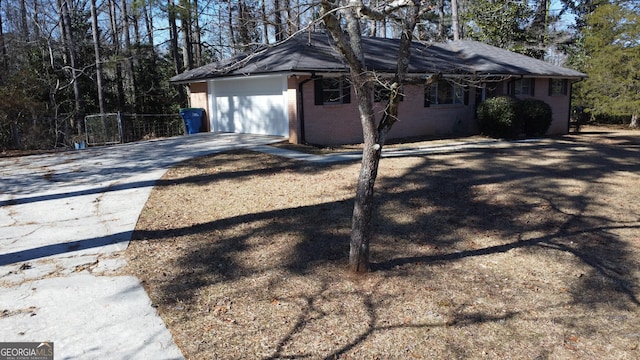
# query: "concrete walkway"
64 220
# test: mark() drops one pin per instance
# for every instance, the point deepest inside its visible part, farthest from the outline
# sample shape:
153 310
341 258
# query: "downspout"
570 105
303 139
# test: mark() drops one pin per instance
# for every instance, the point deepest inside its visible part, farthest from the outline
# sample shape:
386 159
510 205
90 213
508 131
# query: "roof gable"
316 53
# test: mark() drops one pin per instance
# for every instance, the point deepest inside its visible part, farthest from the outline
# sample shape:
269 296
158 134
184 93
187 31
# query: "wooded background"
63 59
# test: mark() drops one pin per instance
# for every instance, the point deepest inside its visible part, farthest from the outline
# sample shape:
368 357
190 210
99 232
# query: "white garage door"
252 105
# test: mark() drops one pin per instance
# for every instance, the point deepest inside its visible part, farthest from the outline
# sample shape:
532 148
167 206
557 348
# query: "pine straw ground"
526 252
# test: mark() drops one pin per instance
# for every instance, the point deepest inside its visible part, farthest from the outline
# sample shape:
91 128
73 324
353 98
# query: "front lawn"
525 252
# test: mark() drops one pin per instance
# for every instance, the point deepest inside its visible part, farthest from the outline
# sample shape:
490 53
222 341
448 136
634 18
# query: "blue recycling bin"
192 118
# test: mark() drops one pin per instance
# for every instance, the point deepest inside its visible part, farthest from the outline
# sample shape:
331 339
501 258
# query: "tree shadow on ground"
444 224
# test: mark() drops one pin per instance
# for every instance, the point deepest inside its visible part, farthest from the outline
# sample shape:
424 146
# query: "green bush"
536 116
498 117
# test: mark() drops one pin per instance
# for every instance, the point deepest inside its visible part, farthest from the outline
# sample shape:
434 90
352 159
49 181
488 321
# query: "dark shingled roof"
315 53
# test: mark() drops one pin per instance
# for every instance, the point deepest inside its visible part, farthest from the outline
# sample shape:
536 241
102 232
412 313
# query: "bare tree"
117 50
342 19
96 48
65 17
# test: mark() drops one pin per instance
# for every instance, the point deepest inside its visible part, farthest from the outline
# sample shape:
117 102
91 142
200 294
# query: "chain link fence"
114 128
43 133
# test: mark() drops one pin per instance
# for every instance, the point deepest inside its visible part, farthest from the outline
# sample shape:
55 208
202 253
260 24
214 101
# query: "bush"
498 117
536 116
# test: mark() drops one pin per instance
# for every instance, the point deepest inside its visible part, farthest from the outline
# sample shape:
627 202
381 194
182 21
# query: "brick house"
300 89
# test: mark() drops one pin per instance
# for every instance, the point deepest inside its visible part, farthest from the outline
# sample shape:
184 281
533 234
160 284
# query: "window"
444 92
558 87
332 90
522 87
381 93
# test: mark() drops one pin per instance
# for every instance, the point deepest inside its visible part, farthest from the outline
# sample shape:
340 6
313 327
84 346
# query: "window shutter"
533 86
511 87
346 91
427 96
317 85
550 87
466 96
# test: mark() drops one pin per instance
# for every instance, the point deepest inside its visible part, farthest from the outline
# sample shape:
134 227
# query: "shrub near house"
509 117
536 116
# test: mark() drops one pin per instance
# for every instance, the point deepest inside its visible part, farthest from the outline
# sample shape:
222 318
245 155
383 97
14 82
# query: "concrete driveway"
64 220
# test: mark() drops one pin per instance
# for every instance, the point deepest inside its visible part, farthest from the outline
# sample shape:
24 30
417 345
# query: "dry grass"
530 252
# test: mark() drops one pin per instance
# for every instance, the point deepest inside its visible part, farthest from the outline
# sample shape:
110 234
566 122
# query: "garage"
252 105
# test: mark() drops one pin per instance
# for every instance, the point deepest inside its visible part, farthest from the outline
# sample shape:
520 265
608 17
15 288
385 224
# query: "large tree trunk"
634 121
362 218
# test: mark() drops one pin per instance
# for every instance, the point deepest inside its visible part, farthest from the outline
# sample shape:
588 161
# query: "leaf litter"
526 252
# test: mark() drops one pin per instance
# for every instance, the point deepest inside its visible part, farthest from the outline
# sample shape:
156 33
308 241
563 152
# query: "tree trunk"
73 59
265 22
36 20
148 21
374 133
128 54
634 121
232 35
277 20
185 29
23 21
291 28
442 33
454 20
197 36
175 53
3 45
117 45
362 218
96 48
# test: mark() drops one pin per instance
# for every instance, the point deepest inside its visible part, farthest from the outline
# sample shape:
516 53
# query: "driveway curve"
64 219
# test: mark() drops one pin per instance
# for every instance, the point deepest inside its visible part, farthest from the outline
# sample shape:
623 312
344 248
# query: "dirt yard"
526 252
